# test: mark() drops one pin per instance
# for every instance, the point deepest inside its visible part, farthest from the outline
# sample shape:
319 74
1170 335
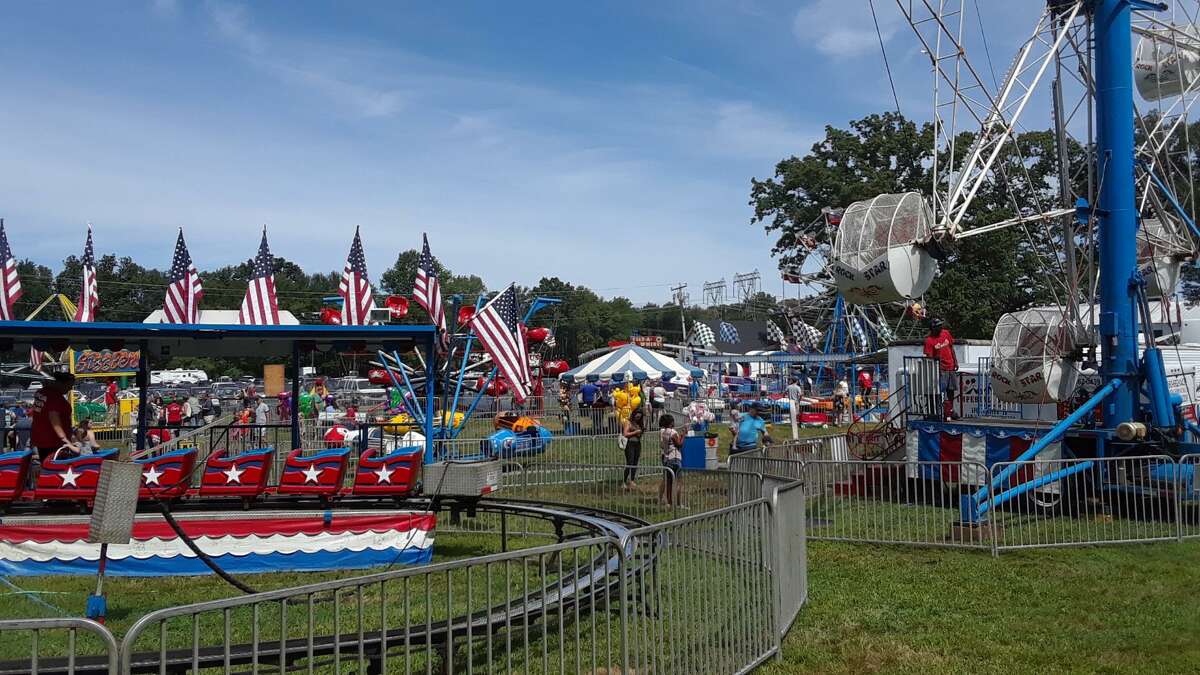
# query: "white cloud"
841 29
233 23
743 129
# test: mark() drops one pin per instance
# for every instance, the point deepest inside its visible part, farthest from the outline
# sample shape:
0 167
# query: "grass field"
895 610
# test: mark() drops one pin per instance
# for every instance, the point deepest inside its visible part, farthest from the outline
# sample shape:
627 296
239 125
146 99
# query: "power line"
887 66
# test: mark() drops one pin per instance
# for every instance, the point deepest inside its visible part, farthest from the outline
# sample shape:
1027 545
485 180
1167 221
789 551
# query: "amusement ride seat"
243 475
320 474
71 478
392 474
167 476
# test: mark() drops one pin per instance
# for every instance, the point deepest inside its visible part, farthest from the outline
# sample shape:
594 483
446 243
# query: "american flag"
503 338
355 287
89 294
259 307
428 292
10 289
184 290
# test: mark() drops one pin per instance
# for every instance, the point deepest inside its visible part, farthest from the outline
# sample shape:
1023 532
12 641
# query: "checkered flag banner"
702 335
884 333
857 332
775 334
805 334
728 333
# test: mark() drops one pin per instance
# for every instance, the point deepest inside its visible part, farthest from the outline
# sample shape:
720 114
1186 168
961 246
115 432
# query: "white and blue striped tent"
642 363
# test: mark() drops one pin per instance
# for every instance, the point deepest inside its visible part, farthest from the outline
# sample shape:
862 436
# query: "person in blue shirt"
587 394
751 429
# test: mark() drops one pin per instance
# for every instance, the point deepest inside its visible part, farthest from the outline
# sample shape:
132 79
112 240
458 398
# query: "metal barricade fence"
77 643
923 393
1188 503
1075 502
891 502
829 447
540 607
790 545
558 449
697 593
603 487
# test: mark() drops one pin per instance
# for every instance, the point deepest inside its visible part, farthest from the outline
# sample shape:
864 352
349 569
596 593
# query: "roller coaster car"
243 475
404 423
392 474
167 476
14 474
320 474
73 478
517 436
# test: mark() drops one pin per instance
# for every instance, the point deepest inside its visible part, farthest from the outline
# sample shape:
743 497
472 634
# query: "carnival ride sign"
647 341
105 363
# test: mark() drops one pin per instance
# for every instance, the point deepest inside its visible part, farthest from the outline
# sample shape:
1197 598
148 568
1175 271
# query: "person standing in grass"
670 442
632 430
751 428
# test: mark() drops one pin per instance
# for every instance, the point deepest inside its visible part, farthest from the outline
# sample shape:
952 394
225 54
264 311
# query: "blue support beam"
1117 212
973 509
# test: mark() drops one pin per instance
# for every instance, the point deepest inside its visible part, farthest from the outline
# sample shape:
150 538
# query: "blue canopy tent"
639 362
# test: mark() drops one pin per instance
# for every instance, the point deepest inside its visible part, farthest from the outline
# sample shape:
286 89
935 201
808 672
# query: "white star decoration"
152 475
311 474
69 477
233 475
384 475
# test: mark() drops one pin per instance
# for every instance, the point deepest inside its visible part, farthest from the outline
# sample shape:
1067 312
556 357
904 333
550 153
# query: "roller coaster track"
587 584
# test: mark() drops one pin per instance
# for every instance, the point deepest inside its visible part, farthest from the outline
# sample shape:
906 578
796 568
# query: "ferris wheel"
887 249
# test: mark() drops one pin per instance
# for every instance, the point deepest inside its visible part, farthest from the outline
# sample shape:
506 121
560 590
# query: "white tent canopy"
637 362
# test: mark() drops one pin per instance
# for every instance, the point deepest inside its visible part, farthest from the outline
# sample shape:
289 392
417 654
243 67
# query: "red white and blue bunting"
241 544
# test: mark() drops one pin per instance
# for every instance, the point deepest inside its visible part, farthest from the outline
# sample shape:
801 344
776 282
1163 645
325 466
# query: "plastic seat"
71 478
167 476
319 474
14 474
392 474
242 475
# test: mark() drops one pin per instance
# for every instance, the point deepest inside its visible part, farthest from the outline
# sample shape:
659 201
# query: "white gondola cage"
876 257
1032 356
1161 250
1163 68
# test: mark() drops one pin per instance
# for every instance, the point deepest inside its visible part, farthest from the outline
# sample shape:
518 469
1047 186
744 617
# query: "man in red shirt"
940 345
866 385
52 416
174 413
110 400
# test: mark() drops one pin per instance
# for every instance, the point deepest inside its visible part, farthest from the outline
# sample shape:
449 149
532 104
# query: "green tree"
37 284
981 278
128 291
399 280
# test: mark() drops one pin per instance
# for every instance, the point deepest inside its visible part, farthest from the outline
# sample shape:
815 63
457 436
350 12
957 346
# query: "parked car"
357 387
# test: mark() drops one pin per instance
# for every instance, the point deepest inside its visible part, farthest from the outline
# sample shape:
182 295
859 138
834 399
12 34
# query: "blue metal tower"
1117 212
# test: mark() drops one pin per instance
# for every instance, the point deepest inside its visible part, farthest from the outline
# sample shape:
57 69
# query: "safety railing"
788 504
1029 504
694 591
76 644
890 502
541 607
1072 502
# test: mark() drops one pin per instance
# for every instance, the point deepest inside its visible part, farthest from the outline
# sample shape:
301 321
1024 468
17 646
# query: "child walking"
671 443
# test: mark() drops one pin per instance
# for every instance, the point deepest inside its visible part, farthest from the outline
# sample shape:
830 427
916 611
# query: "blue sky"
607 143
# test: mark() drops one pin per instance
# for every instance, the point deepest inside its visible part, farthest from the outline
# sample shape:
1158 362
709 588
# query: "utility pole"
680 295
